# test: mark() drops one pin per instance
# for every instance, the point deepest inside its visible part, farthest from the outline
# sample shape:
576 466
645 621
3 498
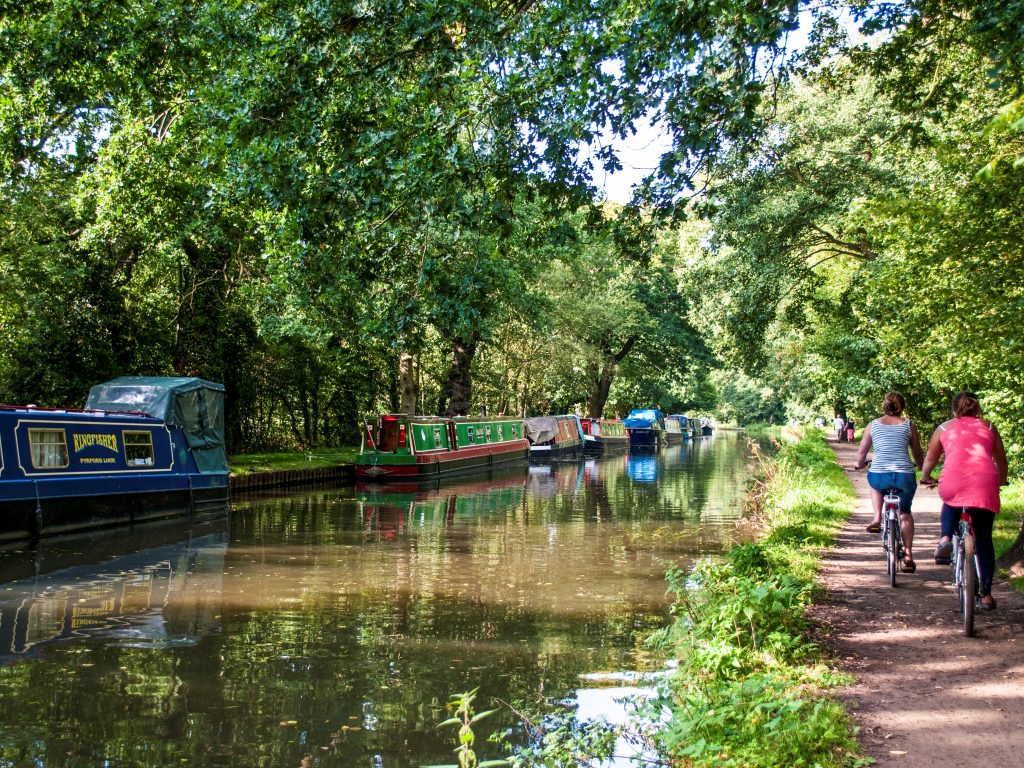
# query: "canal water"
329 627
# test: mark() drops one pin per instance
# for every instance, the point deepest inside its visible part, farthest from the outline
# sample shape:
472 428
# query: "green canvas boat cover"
195 405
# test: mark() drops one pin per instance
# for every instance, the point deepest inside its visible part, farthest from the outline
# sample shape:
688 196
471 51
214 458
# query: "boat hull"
597 445
436 465
52 515
563 449
645 438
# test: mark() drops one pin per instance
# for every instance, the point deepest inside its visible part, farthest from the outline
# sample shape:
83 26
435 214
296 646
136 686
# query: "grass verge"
1008 523
243 464
752 688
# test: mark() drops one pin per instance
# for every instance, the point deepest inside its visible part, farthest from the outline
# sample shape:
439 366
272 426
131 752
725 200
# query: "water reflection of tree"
333 646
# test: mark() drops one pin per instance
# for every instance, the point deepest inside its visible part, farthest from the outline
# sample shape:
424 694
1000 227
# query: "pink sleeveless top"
969 475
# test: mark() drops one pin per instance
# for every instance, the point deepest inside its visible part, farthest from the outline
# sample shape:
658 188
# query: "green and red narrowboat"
602 435
399 446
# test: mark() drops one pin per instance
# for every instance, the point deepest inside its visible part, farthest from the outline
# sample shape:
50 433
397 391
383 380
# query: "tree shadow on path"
925 695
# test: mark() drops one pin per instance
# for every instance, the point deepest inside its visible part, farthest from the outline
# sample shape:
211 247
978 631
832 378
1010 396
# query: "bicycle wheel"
892 546
968 581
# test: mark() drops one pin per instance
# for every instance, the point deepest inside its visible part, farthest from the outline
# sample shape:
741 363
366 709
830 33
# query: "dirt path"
925 696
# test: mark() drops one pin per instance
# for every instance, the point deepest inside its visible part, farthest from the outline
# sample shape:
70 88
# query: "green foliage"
559 740
750 690
465 718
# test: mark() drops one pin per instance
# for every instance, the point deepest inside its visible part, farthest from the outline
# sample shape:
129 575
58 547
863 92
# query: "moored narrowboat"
603 435
399 446
645 427
673 429
142 448
554 437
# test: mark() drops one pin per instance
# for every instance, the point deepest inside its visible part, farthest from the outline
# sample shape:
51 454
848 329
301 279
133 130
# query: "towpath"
924 695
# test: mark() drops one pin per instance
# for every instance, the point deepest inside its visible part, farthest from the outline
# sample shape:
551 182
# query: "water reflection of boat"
642 468
388 510
156 595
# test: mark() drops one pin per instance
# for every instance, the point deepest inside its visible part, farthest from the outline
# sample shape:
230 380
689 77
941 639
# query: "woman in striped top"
892 437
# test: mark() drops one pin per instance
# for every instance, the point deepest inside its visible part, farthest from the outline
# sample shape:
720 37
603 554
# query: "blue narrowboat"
142 448
645 427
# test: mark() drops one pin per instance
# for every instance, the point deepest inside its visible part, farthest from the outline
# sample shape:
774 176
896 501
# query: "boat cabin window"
49 448
515 431
438 442
471 435
488 429
138 449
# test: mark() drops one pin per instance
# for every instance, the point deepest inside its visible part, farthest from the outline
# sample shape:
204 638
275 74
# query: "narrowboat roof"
195 405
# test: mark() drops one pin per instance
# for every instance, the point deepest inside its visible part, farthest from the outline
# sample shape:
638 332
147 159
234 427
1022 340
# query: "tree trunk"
604 382
459 389
1013 558
407 385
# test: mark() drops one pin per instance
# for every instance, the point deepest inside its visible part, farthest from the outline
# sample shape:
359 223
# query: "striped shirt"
890 443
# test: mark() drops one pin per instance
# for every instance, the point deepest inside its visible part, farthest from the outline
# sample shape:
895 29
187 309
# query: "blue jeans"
905 484
982 520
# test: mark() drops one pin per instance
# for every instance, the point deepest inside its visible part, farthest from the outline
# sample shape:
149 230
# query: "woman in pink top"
973 470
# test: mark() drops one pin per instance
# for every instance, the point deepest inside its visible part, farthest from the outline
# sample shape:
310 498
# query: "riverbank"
752 688
261 471
923 694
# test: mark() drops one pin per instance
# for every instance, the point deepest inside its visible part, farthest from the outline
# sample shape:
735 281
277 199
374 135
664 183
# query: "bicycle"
966 571
892 534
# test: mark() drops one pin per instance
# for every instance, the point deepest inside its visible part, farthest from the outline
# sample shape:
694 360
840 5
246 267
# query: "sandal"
874 528
943 553
909 566
988 603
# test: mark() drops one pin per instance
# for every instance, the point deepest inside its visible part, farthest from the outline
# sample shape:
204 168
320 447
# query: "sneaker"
987 603
873 528
943 553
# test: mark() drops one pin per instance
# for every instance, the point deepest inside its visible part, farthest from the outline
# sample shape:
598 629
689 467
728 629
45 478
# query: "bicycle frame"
966 571
892 534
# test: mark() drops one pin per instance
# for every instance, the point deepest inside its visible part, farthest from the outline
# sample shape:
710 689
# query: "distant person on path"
892 436
850 429
840 426
974 468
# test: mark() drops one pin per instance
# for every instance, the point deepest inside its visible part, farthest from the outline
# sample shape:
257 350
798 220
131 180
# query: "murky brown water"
330 627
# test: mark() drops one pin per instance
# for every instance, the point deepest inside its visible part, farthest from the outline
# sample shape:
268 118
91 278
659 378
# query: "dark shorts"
905 484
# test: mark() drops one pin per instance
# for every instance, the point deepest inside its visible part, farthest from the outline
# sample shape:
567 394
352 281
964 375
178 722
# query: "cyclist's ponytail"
966 404
893 404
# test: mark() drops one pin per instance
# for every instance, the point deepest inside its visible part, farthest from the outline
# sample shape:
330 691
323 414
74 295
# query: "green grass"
1008 523
246 463
762 431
